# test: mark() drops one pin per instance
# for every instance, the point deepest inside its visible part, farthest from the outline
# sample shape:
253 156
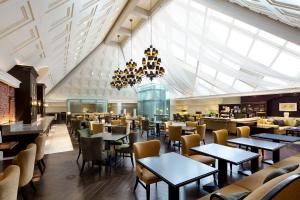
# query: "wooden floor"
61 180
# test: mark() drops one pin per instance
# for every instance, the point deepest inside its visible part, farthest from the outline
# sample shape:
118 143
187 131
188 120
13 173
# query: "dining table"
277 137
225 155
176 170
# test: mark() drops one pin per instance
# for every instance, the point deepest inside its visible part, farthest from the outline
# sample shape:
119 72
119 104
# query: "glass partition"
86 105
153 102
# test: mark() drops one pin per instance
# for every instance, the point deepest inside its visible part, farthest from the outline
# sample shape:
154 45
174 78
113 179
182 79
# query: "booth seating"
254 183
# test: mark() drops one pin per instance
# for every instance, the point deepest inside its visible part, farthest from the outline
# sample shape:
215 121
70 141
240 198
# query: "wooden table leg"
173 193
276 156
222 175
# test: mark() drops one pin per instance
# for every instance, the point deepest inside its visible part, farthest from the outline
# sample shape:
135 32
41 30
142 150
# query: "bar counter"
216 123
24 133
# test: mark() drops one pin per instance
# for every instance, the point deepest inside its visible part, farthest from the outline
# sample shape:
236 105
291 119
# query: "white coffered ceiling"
53 34
286 11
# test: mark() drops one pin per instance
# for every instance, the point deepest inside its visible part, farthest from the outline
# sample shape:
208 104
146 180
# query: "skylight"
287 64
263 52
242 86
225 78
239 42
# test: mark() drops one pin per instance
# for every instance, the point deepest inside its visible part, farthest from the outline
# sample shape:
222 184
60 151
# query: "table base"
210 187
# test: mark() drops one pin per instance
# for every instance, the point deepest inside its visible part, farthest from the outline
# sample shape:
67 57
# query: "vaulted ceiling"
72 44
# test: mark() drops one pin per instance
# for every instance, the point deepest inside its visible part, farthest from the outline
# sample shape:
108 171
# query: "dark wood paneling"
26 93
273 102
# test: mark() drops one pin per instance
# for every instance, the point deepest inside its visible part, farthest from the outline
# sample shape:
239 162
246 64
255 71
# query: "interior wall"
7 103
56 107
273 102
203 105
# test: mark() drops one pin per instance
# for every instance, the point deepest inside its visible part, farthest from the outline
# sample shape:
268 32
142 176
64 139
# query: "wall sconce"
45 105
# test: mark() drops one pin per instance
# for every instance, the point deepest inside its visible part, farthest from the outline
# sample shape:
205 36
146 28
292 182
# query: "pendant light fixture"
132 74
151 62
118 79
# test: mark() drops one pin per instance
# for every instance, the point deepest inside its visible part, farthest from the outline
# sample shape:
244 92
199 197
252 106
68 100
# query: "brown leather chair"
26 161
166 127
116 122
40 142
220 137
189 141
9 181
201 130
97 128
175 135
243 131
123 120
143 150
191 123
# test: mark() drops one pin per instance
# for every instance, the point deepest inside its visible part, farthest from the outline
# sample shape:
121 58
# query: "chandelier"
118 79
151 62
131 73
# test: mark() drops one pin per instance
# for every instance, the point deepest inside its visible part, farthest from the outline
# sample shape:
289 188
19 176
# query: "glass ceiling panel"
263 52
240 42
228 55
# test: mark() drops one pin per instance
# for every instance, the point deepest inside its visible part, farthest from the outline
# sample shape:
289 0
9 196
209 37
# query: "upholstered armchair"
93 151
220 137
201 130
26 161
115 122
146 126
9 181
40 142
243 131
175 135
144 176
97 128
127 148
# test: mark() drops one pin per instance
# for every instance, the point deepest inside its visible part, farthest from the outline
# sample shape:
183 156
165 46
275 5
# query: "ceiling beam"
128 9
124 31
141 12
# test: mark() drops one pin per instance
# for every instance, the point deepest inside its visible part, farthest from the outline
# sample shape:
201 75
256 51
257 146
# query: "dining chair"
123 120
40 142
166 127
194 140
9 181
144 176
82 133
93 151
193 124
146 126
243 131
25 159
175 135
97 128
127 148
220 137
115 122
201 130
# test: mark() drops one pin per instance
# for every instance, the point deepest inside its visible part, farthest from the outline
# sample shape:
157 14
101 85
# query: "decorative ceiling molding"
27 17
9 80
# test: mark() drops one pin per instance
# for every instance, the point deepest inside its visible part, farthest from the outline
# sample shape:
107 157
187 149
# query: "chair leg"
230 167
43 162
263 153
203 141
23 193
32 185
136 183
131 158
78 154
169 144
148 191
82 167
40 167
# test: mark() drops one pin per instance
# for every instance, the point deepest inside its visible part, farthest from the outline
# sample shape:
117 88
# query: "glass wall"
86 105
153 102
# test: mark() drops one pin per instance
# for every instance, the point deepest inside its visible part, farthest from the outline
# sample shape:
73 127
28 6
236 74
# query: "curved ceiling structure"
205 50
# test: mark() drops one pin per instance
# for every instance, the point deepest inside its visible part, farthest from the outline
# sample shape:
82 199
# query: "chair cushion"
148 177
274 174
204 159
231 196
227 190
122 146
279 122
281 171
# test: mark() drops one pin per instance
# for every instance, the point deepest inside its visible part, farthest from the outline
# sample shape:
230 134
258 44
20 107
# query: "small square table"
255 145
187 128
293 131
225 155
277 137
176 170
109 137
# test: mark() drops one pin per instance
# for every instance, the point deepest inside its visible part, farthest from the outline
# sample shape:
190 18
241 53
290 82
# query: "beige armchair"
26 160
9 181
40 142
201 130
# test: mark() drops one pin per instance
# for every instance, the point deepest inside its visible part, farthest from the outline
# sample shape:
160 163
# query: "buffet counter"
216 123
